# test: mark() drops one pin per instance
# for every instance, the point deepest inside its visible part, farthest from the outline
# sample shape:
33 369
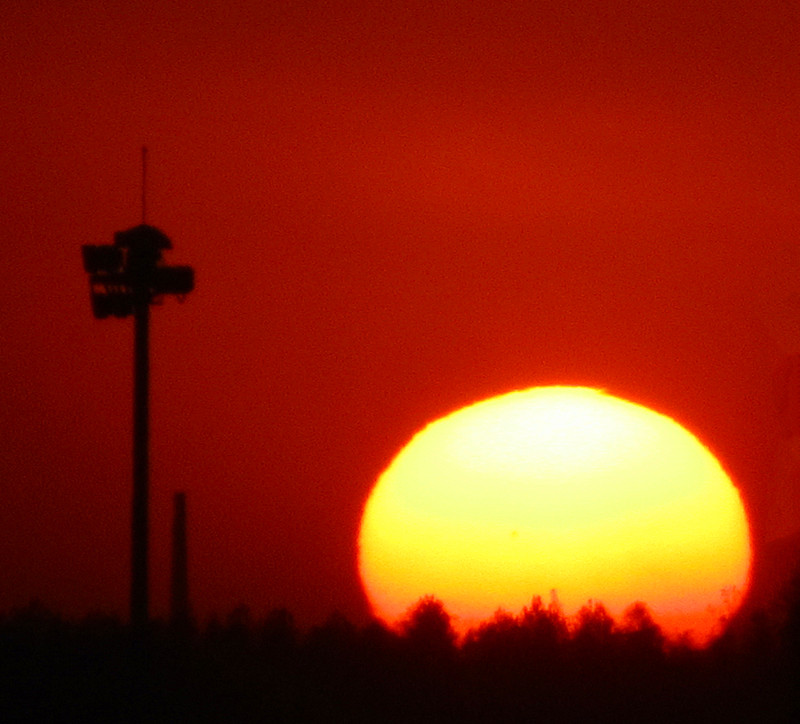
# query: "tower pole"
141 482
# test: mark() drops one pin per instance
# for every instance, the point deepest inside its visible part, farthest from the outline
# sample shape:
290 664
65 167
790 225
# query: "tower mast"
124 279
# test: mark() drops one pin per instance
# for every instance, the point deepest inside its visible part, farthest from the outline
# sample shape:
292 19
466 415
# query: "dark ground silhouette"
536 666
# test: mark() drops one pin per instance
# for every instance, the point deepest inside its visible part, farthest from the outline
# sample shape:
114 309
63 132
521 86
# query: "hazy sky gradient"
391 214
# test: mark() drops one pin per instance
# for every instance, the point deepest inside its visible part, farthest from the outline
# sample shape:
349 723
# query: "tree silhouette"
594 628
428 630
641 635
534 666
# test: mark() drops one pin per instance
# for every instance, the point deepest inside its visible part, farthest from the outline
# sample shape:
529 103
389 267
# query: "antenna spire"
144 184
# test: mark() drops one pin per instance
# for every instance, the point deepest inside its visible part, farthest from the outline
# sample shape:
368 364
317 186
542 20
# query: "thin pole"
139 517
144 184
179 598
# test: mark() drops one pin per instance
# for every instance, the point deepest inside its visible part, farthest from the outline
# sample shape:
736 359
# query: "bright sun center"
556 489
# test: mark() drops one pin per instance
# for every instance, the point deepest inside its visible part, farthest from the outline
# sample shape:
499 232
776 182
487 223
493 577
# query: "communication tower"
125 278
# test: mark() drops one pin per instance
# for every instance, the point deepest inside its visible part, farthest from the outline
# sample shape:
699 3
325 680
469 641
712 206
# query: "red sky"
391 214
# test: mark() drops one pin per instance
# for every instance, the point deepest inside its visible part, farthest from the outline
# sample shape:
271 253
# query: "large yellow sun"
556 489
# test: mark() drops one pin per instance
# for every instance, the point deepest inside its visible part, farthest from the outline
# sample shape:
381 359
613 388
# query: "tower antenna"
125 278
144 184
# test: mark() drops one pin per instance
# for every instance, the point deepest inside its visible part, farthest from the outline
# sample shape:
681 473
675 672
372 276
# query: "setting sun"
556 489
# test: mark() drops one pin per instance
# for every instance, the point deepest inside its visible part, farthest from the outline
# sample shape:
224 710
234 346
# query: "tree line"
538 665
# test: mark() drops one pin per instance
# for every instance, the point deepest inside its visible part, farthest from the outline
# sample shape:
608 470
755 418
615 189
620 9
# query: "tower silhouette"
126 278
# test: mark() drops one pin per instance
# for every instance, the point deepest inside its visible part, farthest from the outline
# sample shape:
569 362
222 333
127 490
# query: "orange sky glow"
391 213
